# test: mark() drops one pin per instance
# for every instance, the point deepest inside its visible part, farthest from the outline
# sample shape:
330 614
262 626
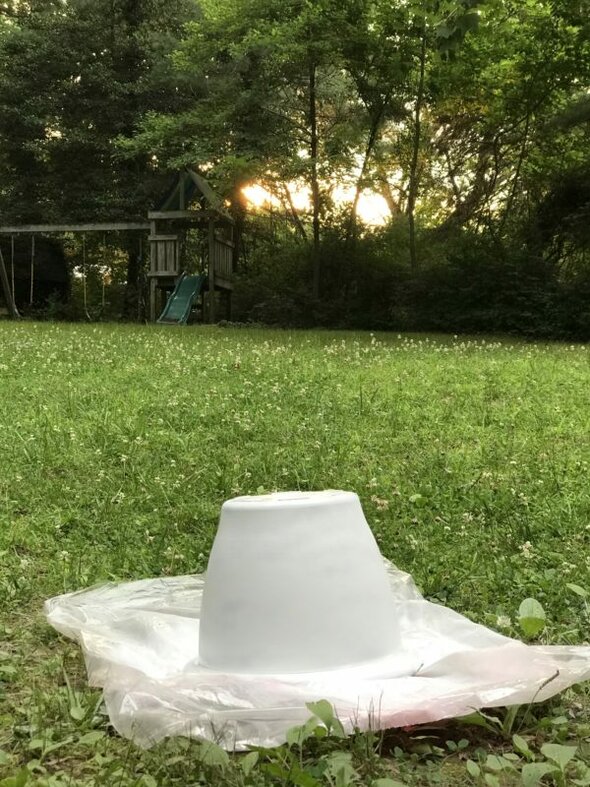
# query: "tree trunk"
315 187
413 185
373 134
128 64
294 214
515 180
239 212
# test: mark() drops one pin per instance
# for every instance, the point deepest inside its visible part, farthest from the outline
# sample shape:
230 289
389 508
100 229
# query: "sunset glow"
372 208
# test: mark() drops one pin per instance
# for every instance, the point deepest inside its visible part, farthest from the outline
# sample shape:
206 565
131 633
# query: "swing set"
190 205
7 282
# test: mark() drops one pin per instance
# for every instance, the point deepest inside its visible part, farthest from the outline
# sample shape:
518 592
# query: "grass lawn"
118 445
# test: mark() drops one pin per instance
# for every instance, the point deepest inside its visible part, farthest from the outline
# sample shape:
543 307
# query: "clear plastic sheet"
141 644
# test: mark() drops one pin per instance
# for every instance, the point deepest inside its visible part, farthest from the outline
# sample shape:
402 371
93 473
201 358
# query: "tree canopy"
466 116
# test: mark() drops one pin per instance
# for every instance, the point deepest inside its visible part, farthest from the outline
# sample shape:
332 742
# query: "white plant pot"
295 584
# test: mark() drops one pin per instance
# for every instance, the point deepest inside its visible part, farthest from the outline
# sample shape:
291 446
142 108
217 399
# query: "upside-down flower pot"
295 583
297 605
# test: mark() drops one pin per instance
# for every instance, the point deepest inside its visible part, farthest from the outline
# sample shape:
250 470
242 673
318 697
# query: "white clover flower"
380 503
527 550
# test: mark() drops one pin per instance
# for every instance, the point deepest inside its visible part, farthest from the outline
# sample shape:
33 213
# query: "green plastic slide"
180 303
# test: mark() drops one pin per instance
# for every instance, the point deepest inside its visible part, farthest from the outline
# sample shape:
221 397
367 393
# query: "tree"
492 105
75 79
278 104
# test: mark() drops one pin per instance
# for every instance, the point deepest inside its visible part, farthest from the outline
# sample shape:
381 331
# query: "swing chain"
84 282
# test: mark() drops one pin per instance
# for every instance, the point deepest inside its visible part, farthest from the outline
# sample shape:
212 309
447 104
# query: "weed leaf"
19 780
522 747
533 772
577 590
559 754
323 710
473 769
531 617
212 754
249 762
92 738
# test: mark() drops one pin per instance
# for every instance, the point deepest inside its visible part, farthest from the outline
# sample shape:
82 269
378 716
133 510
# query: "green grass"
118 445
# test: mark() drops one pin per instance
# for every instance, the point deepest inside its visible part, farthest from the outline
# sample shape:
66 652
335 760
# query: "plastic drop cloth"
140 640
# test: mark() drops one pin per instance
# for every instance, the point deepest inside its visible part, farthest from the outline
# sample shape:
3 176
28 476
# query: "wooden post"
152 282
153 286
211 271
8 294
181 195
32 290
12 264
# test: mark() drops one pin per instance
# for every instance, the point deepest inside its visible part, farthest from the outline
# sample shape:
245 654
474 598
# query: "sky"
372 208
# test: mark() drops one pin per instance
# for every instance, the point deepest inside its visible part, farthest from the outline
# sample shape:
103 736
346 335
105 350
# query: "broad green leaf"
473 769
212 754
579 591
91 738
21 778
296 736
478 719
249 762
77 710
521 746
325 713
531 617
339 767
533 772
323 710
496 763
387 783
559 754
337 729
277 770
36 744
301 778
558 721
